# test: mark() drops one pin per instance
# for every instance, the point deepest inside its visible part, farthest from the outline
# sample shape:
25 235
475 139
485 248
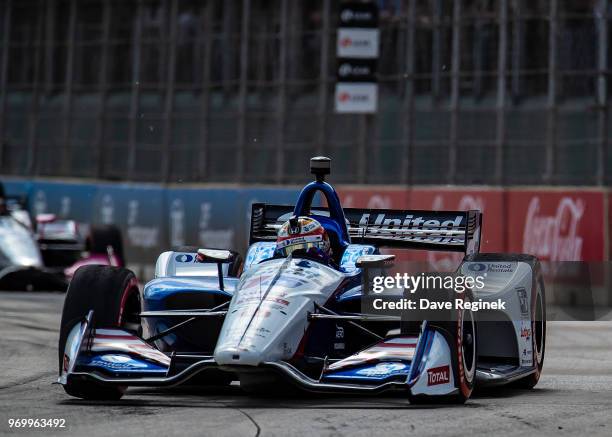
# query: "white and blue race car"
277 324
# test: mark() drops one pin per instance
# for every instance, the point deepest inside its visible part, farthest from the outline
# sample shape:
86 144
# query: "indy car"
278 324
44 253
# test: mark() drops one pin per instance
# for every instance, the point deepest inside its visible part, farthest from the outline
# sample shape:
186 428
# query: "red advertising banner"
489 201
557 225
554 225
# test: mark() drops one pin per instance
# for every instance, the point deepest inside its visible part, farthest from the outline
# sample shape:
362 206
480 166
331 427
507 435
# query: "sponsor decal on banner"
557 226
213 237
357 70
177 223
65 203
357 51
357 43
138 235
553 225
554 236
40 203
107 210
356 97
438 375
355 14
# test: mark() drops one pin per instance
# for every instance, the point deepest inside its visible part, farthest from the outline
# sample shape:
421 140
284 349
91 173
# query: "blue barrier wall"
154 218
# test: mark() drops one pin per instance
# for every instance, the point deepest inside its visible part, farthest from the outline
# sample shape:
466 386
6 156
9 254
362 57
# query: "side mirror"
367 262
217 256
214 256
375 261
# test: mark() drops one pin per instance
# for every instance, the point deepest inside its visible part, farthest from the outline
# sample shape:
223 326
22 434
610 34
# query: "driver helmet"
303 235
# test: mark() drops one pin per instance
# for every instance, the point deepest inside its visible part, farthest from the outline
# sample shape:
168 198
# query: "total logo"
438 375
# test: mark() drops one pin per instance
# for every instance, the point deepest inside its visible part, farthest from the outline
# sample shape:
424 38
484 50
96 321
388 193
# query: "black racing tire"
538 328
235 267
459 329
102 236
113 295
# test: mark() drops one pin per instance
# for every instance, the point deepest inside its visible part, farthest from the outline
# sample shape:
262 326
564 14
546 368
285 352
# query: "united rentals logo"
440 230
438 375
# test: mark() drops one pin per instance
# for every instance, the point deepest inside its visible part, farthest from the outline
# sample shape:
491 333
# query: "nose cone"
227 356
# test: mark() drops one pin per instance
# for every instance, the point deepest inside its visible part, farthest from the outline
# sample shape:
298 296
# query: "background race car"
44 253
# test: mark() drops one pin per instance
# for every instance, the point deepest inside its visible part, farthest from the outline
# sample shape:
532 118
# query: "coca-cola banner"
557 225
554 225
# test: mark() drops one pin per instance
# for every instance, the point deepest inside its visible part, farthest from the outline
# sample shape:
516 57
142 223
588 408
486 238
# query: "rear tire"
538 329
113 294
102 236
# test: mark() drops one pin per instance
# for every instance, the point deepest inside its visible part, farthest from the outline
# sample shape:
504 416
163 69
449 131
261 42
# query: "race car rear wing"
457 231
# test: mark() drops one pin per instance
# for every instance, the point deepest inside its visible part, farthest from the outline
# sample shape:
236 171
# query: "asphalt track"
574 396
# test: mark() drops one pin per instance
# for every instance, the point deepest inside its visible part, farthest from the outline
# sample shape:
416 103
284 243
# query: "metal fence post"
501 91
551 127
517 48
454 101
323 78
34 111
602 89
408 102
282 92
436 47
135 95
100 125
244 69
3 74
50 11
69 85
169 98
209 13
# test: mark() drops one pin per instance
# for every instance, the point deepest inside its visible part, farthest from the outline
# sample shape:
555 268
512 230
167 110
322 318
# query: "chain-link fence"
471 92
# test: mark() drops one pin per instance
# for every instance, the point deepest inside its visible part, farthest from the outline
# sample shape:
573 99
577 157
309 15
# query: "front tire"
461 331
458 327
113 295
